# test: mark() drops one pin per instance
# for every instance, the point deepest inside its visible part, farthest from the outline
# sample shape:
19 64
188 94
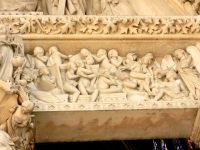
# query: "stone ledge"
45 107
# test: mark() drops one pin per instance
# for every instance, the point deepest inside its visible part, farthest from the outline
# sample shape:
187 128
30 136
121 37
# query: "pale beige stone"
108 73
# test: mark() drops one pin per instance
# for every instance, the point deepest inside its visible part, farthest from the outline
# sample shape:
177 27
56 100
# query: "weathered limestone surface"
114 125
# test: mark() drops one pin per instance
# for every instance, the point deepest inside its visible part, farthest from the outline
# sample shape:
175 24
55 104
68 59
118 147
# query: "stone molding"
43 107
102 25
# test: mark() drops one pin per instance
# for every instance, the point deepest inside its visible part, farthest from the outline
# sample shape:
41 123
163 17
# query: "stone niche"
68 78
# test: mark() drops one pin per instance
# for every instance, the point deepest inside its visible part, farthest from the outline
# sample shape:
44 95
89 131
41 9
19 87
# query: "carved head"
6 142
71 66
79 63
148 59
112 53
131 56
38 50
84 53
180 53
52 49
44 71
171 74
124 76
101 52
27 107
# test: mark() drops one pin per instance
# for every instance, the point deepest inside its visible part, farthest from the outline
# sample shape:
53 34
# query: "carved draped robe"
6 67
109 7
189 76
63 7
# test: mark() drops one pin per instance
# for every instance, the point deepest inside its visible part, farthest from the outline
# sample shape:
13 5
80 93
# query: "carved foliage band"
101 25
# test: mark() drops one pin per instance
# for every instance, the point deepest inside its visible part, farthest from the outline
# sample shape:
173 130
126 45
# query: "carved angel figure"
186 71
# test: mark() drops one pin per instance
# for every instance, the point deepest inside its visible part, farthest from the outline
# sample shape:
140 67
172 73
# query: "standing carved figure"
186 71
109 7
63 7
6 51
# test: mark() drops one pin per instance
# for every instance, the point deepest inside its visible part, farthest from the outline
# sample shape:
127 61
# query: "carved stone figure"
107 83
191 6
186 73
6 50
114 58
142 72
104 61
18 125
71 81
39 60
19 5
84 55
63 7
128 85
84 84
109 7
173 89
5 141
48 81
55 57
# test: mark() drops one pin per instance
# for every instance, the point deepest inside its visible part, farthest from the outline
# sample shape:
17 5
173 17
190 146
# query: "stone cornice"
139 27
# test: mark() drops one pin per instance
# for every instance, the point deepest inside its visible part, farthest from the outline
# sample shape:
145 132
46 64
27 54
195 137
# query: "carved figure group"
16 108
71 7
55 75
65 78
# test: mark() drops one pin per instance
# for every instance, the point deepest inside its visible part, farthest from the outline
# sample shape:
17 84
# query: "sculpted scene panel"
53 77
103 80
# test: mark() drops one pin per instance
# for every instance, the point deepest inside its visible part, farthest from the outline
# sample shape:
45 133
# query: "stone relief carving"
58 78
101 25
93 77
192 7
16 108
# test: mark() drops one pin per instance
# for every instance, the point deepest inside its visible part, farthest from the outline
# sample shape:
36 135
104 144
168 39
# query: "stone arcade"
69 68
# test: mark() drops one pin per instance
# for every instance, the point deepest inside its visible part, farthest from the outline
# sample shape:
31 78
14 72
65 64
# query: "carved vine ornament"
127 25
